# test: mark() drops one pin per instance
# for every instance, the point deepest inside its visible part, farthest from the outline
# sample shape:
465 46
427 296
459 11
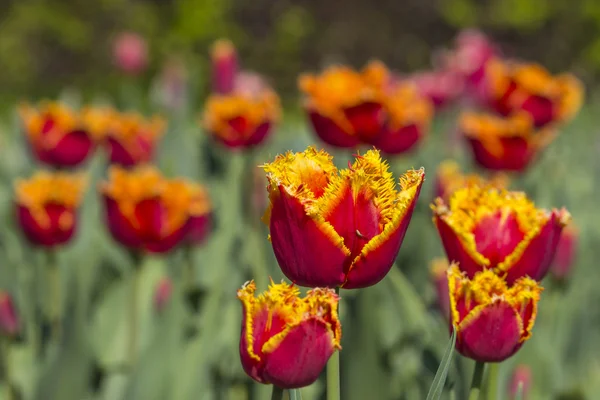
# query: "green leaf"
295 394
519 394
437 387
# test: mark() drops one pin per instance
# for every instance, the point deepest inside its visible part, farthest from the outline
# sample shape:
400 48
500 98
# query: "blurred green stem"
333 371
133 315
277 393
476 382
5 349
492 384
55 300
189 273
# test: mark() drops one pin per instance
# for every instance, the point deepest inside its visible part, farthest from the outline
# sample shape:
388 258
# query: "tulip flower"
439 274
130 53
503 144
566 251
242 119
9 320
145 211
46 207
129 138
349 108
521 376
530 88
224 66
441 87
337 228
57 135
492 319
286 340
483 227
449 178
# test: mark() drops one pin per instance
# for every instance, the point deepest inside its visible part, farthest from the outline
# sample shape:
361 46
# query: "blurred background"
153 57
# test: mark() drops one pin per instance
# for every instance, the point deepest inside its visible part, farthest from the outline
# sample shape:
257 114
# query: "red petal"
149 217
119 226
454 248
198 228
331 133
259 135
497 236
541 109
50 235
491 334
72 149
307 255
516 154
537 256
301 356
399 141
367 120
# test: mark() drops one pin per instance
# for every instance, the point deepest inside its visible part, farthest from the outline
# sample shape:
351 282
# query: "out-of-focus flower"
224 66
46 206
130 53
195 198
441 87
242 119
521 376
349 108
450 178
566 251
503 144
337 228
439 274
58 136
9 320
286 340
170 89
145 211
162 294
130 138
492 319
483 227
515 86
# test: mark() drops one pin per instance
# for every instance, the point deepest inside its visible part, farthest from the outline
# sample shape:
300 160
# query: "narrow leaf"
519 394
437 387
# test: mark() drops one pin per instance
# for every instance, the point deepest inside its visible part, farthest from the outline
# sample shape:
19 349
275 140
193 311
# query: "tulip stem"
133 315
477 379
54 297
277 393
492 384
333 371
6 367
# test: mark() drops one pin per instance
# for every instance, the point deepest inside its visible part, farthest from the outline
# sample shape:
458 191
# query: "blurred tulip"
171 88
162 294
287 340
441 87
9 320
145 211
57 134
449 178
532 89
130 139
349 108
520 376
566 251
439 274
503 144
492 318
337 228
130 53
242 119
483 227
195 198
46 206
224 66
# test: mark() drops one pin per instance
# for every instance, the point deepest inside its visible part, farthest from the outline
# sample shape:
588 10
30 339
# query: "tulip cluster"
349 108
243 108
147 212
501 246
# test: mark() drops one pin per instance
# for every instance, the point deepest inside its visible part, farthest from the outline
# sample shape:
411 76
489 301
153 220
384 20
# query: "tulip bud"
224 66
9 321
439 273
566 252
162 294
521 376
130 53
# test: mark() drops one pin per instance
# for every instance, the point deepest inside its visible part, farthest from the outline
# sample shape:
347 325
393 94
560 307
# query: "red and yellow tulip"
333 227
286 339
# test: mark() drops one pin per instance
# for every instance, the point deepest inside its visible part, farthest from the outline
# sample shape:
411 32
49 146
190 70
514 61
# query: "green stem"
477 379
133 316
277 393
55 300
333 372
6 367
189 273
492 384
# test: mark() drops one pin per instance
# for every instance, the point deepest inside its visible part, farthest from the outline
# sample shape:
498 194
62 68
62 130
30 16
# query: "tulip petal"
301 356
497 235
400 140
490 333
366 119
515 153
72 149
50 231
309 252
119 225
331 133
260 133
